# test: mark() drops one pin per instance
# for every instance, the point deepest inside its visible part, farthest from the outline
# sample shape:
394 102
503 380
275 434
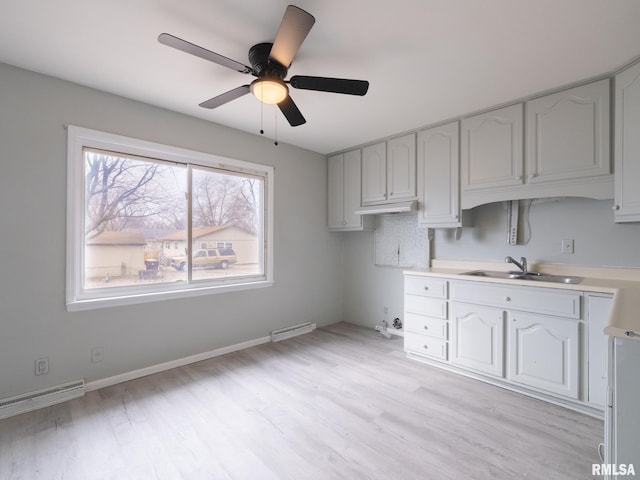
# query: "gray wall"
598 241
33 320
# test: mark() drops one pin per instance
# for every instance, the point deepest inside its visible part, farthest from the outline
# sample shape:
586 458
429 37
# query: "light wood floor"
340 403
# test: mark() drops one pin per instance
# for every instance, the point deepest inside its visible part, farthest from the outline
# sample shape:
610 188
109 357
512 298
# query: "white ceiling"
426 60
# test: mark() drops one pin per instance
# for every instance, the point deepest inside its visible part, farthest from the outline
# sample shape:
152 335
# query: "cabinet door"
598 309
374 173
544 352
627 145
492 154
344 179
477 338
336 191
352 189
401 168
568 134
438 177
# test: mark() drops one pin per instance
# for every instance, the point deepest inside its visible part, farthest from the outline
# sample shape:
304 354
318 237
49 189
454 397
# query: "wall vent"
40 398
292 331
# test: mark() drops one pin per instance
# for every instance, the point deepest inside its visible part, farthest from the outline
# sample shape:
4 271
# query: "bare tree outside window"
224 199
123 193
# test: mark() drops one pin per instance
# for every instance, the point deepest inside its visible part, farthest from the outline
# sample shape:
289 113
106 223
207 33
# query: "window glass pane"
135 208
226 210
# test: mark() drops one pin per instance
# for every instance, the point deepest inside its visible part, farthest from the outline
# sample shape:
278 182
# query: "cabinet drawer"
536 300
424 345
433 327
432 307
425 286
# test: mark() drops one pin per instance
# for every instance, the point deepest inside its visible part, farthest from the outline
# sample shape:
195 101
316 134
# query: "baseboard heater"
292 331
40 398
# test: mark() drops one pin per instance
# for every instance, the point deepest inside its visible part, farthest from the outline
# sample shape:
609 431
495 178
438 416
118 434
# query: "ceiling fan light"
269 90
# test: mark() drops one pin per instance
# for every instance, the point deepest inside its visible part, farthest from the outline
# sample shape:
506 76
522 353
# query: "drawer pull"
426 288
507 299
426 347
426 327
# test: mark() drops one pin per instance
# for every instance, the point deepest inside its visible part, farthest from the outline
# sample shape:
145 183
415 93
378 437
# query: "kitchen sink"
540 277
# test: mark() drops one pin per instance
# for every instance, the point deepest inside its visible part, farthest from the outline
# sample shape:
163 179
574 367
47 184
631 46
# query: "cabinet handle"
616 207
507 299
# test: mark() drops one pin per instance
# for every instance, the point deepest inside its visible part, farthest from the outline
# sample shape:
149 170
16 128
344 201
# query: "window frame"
77 298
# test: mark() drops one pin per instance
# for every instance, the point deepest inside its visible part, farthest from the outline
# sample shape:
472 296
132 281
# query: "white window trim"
76 299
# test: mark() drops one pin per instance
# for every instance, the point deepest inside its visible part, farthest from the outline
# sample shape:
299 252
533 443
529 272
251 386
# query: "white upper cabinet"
567 151
491 154
389 171
401 167
568 134
374 173
627 145
438 176
344 179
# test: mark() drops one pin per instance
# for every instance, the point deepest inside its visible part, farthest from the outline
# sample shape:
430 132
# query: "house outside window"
123 192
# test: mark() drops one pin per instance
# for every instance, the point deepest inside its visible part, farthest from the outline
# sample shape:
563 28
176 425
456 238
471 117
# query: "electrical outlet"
96 354
567 245
42 366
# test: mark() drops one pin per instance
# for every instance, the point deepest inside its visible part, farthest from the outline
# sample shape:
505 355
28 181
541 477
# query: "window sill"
122 300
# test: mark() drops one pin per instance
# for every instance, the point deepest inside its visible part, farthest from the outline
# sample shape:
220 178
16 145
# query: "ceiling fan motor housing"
262 65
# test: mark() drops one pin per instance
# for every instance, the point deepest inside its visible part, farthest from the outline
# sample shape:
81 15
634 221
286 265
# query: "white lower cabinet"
598 308
547 342
425 317
477 338
544 352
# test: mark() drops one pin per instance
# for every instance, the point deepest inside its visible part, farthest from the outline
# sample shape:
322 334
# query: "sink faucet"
522 264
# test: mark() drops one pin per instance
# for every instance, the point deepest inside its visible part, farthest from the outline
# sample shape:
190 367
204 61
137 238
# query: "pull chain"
261 115
276 126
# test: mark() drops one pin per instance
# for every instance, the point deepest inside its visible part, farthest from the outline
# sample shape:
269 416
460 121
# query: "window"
141 215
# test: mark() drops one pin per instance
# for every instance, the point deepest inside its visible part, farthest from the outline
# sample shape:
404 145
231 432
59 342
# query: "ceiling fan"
270 63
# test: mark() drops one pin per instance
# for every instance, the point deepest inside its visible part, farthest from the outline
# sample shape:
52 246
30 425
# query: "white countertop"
622 283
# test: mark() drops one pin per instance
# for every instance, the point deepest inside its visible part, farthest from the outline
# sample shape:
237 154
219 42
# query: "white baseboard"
161 367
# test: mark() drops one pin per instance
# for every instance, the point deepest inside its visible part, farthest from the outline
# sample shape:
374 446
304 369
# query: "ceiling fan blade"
226 97
333 85
290 110
183 45
294 28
